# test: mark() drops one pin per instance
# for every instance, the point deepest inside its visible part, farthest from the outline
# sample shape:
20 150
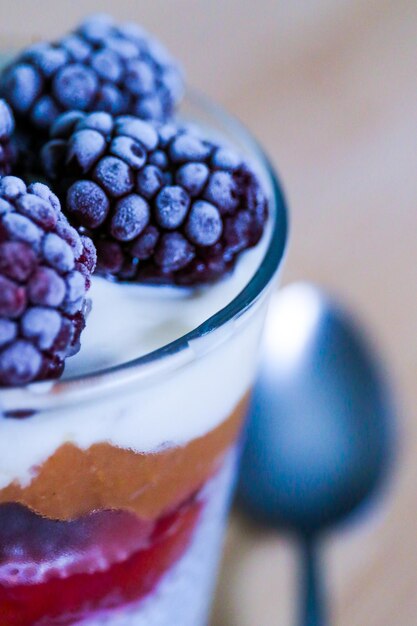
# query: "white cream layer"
128 321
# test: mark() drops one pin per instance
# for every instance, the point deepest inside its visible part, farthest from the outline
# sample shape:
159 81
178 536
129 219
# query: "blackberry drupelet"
102 65
162 203
45 269
7 146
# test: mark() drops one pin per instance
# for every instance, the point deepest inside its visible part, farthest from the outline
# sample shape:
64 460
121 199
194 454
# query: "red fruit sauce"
53 573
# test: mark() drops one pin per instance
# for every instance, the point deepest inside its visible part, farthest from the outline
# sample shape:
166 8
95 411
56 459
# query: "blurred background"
329 88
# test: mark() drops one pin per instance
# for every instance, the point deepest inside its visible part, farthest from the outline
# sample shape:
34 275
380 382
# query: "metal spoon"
319 434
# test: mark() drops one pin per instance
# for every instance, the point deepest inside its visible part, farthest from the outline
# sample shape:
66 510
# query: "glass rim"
43 395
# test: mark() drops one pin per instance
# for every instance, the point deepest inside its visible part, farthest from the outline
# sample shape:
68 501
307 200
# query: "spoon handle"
312 606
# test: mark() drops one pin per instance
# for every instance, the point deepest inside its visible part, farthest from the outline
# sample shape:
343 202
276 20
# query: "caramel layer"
74 482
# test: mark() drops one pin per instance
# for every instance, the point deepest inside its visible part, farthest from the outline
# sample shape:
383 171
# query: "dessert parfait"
138 243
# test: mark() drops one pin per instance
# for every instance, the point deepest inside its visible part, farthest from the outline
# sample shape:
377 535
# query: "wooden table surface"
330 89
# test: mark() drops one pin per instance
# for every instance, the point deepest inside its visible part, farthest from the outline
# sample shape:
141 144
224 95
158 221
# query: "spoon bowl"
319 433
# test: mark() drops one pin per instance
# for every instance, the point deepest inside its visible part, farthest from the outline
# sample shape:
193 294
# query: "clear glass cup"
144 544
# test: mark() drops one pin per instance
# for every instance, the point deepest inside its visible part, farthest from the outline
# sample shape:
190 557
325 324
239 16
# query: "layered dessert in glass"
124 381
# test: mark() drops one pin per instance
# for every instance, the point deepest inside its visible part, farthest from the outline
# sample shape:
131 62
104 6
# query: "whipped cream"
128 321
182 403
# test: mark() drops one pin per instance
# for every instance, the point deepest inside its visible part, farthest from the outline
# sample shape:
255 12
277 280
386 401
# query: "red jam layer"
53 573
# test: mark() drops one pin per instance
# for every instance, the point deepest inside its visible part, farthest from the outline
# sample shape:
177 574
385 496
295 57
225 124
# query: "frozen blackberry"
101 66
161 203
7 145
45 269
